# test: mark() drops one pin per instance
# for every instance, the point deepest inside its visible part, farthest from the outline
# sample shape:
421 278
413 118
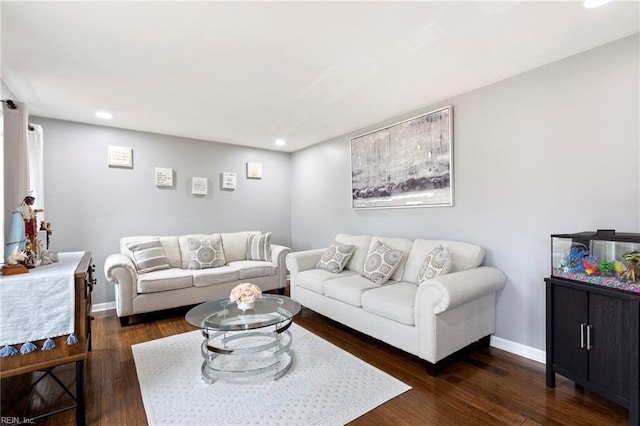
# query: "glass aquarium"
606 257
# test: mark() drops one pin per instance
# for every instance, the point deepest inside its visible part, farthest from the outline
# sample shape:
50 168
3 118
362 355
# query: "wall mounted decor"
120 156
228 180
164 177
199 186
254 170
407 164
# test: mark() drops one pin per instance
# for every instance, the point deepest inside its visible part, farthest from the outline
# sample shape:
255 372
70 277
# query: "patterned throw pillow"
149 256
335 258
259 247
381 262
205 253
439 261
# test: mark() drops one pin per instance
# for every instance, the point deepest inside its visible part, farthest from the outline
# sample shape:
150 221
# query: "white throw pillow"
205 253
335 258
381 262
439 261
259 247
149 256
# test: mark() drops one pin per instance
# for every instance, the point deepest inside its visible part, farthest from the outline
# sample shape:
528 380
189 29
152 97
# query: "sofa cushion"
335 258
205 252
439 261
464 256
362 243
348 289
169 279
148 256
253 268
169 244
314 279
259 247
235 244
393 301
184 247
381 262
212 276
402 244
172 250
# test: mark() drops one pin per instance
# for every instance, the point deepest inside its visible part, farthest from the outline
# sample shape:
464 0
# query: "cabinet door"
609 351
570 311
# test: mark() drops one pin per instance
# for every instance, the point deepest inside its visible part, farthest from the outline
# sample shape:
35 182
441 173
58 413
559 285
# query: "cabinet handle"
582 326
589 327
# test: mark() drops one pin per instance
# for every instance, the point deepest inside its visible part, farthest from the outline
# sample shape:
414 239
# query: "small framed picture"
254 170
228 180
120 156
199 185
164 177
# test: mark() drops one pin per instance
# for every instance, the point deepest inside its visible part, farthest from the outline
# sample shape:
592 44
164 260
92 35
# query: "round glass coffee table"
245 343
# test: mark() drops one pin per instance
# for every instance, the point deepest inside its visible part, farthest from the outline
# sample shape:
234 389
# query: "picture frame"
406 164
199 186
120 156
254 170
164 177
228 180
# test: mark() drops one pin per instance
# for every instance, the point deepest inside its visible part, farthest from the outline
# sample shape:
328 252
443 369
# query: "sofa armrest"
303 260
458 288
115 265
121 271
278 254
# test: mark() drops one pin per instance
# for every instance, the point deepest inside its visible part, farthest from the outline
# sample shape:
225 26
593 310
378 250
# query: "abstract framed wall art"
406 164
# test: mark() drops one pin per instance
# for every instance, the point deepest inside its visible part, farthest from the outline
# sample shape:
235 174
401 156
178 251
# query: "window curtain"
2 213
23 164
35 167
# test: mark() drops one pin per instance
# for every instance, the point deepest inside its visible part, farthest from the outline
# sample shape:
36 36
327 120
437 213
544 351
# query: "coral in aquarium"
631 260
607 267
572 261
589 267
619 267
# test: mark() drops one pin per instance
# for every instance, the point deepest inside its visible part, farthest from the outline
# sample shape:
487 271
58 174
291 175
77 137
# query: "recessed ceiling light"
280 142
590 4
104 114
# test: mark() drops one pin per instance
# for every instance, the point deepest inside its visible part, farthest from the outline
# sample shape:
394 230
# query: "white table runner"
39 304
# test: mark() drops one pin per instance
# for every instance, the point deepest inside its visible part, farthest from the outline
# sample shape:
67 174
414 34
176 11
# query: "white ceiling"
247 73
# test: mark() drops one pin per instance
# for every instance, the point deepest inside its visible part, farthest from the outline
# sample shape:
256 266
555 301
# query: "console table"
46 361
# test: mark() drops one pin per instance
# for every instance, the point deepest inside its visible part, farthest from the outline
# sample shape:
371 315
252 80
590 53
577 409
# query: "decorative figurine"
29 215
30 231
13 265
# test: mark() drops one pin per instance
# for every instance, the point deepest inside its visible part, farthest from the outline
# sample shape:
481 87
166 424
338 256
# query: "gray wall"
552 150
91 205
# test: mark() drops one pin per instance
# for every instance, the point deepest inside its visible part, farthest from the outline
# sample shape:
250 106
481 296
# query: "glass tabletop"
224 315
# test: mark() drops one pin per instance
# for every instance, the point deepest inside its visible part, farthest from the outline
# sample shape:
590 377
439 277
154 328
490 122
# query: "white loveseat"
431 319
174 284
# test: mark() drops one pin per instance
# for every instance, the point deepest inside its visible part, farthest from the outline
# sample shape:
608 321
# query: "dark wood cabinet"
592 339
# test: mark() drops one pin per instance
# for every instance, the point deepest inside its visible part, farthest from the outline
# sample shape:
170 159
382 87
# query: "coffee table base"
246 354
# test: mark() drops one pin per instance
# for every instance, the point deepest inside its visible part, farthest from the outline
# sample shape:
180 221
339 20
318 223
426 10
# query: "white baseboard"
98 307
519 349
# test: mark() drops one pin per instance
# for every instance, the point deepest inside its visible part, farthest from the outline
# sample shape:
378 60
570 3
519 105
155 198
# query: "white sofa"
176 285
431 319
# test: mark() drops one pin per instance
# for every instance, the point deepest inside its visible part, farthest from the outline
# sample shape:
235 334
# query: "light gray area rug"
325 386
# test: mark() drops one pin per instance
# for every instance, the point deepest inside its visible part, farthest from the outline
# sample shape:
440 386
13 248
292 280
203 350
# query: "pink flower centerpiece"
245 294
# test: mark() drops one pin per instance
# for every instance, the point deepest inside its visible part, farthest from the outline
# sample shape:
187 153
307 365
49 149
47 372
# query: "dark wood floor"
487 386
